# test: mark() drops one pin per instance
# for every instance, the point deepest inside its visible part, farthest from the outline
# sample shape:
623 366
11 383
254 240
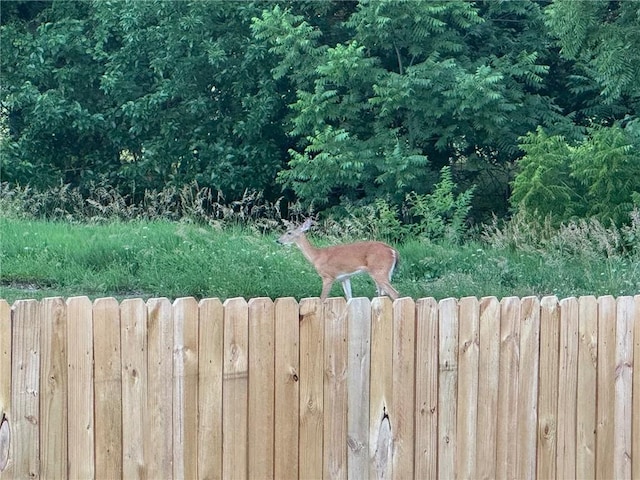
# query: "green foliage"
413 85
599 177
544 184
586 238
325 102
604 39
438 216
441 215
140 95
378 220
190 203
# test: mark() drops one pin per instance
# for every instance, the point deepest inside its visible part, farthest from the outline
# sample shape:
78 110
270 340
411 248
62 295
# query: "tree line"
532 104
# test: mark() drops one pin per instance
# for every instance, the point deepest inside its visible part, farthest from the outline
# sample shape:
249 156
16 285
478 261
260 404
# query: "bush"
598 178
441 215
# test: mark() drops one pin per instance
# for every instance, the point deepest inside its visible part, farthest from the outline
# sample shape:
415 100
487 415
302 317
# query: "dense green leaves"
414 89
143 94
604 39
598 177
327 102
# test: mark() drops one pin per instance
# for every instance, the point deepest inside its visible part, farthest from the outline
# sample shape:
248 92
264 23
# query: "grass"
146 259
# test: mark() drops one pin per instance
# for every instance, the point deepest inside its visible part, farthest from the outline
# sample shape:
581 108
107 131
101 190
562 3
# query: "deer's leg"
389 290
346 287
326 288
384 287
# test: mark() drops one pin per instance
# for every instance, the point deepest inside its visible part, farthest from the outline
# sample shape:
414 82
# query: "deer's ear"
307 224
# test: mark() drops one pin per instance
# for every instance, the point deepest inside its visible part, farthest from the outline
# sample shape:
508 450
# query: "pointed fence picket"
469 388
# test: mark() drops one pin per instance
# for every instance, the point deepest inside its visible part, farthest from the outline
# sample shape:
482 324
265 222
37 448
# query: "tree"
203 106
57 130
603 38
416 86
142 95
597 175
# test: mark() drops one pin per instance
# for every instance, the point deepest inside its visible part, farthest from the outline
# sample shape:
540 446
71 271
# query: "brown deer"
340 262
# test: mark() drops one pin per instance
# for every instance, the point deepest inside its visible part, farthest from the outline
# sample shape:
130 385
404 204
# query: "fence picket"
403 407
488 381
605 434
517 388
185 386
53 391
287 388
310 449
158 412
587 387
548 387
235 389
80 382
358 387
261 387
5 386
25 389
508 365
133 341
108 387
210 347
567 392
623 385
447 387
635 421
381 389
467 401
528 388
426 447
335 389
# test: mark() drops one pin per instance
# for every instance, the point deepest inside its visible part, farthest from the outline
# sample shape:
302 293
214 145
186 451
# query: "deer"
340 262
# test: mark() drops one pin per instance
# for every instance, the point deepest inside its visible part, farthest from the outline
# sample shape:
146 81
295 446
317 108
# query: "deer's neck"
308 250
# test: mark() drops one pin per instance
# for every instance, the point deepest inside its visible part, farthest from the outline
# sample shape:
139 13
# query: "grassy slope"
145 259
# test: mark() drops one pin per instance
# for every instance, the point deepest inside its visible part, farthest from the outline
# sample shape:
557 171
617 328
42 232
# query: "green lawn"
147 259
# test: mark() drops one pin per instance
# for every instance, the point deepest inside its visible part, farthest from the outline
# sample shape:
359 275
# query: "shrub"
598 178
441 215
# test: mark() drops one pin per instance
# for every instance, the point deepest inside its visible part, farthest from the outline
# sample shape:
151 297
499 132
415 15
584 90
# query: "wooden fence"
470 388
